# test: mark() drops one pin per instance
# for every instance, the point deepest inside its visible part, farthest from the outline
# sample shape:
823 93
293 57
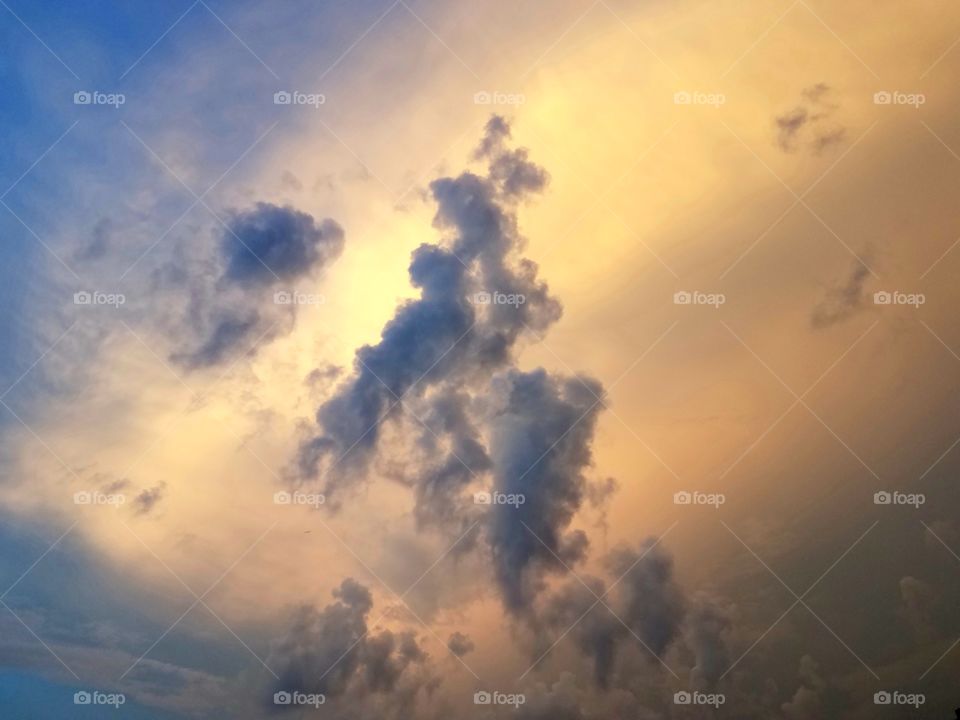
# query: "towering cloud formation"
541 434
263 253
443 375
457 333
448 357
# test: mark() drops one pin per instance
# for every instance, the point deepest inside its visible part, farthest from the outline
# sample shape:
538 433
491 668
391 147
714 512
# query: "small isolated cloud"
146 500
460 644
263 253
842 300
810 124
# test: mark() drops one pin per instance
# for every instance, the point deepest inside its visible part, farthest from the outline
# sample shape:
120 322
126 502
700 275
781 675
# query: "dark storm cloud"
541 437
332 652
643 602
650 602
460 644
263 251
810 123
271 244
843 300
443 339
596 631
482 424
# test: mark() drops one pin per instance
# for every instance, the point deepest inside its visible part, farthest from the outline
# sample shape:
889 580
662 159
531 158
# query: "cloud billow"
263 251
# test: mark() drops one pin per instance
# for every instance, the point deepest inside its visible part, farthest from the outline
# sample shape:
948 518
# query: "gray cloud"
460 644
707 628
651 603
146 500
596 631
332 652
541 439
810 124
265 250
442 341
843 300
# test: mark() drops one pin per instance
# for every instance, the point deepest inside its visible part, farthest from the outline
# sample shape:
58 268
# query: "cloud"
707 628
444 340
643 602
541 436
271 244
574 609
264 251
651 603
333 652
843 300
460 644
810 123
815 698
146 500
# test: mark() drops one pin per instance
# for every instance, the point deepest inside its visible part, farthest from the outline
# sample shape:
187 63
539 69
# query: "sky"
567 360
